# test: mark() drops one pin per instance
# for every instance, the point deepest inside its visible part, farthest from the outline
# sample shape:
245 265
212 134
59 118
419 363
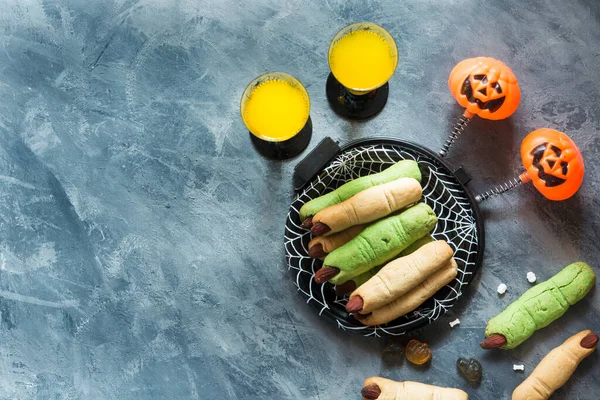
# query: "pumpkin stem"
525 177
506 186
468 114
459 127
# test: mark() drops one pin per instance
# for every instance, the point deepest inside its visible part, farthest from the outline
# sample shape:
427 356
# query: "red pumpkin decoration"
553 162
485 87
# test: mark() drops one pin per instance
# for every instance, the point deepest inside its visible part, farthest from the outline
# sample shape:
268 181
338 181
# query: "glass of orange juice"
362 58
275 108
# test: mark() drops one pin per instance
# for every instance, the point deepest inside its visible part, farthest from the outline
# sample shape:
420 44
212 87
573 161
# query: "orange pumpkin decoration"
553 162
485 87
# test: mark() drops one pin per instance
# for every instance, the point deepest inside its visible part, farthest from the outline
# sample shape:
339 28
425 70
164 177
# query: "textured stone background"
141 236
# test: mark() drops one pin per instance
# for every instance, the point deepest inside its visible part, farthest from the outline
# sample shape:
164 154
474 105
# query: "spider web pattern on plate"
456 225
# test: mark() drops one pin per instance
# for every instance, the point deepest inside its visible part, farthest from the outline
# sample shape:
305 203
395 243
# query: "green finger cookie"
542 304
380 242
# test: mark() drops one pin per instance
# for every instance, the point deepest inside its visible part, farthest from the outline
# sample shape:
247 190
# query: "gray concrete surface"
141 250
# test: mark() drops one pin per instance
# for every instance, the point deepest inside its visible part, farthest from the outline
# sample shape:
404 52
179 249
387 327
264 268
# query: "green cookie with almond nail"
542 304
380 242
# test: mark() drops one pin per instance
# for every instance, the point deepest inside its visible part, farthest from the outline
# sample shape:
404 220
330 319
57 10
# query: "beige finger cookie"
413 298
386 389
367 206
400 276
557 367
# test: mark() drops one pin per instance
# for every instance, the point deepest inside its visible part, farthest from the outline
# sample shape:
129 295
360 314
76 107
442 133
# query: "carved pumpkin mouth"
487 95
547 159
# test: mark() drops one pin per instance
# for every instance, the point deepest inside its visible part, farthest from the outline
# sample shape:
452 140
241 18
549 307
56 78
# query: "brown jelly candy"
471 368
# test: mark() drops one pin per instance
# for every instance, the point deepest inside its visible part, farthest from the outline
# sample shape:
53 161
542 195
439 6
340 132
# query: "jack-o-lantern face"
553 162
485 87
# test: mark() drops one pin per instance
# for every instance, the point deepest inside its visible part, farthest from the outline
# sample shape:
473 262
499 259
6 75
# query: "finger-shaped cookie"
351 285
367 206
376 244
398 277
413 298
402 169
386 389
539 307
557 367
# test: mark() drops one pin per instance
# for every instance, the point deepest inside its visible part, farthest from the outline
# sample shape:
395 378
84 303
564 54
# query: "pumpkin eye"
556 150
564 167
498 87
481 78
466 88
538 152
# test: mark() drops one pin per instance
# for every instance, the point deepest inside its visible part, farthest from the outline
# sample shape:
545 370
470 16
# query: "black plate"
459 223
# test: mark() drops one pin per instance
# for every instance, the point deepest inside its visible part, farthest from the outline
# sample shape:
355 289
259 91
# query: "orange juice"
276 109
363 59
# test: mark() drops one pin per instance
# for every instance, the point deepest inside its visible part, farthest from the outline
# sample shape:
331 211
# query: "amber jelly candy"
417 352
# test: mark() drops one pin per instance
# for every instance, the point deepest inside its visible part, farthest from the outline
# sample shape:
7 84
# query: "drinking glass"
362 58
275 108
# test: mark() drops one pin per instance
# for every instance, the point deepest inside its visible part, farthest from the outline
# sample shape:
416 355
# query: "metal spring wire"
459 127
506 186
